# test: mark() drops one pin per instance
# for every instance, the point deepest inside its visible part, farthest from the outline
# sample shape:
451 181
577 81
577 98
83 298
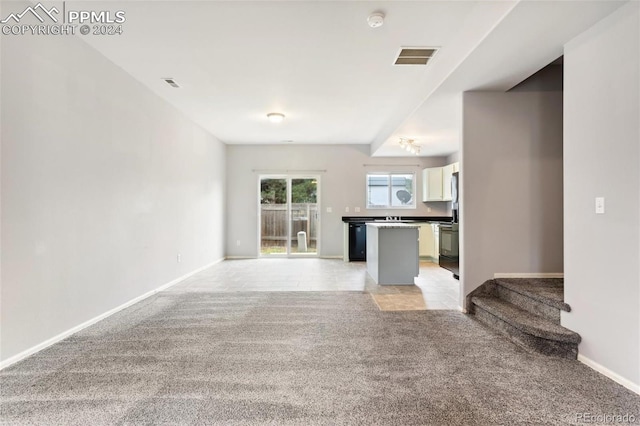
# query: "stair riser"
486 289
528 304
525 340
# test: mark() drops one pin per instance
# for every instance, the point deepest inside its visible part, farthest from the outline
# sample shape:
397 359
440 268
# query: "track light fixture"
410 146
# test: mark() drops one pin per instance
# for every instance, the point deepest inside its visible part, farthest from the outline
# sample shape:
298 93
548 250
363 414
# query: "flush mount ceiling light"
275 117
410 146
376 19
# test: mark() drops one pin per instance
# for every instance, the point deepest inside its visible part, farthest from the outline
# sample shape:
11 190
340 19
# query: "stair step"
525 321
549 291
526 303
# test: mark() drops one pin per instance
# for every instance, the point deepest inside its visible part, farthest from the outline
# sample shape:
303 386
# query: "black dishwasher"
357 241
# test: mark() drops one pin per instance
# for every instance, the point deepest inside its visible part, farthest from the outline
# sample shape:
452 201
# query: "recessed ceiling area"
530 36
332 75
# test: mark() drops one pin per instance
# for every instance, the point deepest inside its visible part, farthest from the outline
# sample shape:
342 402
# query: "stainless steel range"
449 254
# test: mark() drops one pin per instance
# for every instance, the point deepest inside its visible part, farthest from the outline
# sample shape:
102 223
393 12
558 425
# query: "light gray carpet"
546 290
299 359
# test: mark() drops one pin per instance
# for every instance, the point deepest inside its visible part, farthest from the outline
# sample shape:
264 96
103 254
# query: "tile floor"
439 289
400 302
437 286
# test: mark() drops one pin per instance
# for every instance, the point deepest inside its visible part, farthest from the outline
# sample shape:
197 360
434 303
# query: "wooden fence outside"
273 223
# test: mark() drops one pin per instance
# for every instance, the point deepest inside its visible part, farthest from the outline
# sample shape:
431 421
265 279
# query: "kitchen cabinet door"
436 240
427 242
432 184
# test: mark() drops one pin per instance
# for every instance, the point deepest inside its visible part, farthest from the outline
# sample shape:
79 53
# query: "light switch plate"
356 209
329 210
346 209
599 205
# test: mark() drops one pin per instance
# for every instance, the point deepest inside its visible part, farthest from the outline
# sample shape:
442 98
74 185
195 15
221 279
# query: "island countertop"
403 219
392 225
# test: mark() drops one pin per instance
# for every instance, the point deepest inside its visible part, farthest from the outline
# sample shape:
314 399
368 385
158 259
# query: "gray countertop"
392 225
406 219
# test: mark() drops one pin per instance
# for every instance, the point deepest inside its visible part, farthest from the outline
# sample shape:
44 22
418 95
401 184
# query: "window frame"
389 175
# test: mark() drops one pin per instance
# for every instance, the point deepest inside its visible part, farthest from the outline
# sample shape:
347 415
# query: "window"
391 190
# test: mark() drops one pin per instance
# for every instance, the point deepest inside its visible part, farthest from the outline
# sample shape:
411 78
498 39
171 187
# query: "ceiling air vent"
171 82
415 55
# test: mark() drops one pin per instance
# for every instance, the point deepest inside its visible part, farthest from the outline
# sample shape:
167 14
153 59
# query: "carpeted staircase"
527 310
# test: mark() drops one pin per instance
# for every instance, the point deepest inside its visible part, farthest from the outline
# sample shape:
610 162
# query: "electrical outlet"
179 258
356 209
238 243
599 205
329 210
346 209
428 209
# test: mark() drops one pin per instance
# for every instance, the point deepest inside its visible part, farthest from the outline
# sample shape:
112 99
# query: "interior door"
289 216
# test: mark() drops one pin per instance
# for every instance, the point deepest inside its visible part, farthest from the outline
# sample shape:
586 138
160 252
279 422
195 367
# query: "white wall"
511 207
342 185
602 159
103 183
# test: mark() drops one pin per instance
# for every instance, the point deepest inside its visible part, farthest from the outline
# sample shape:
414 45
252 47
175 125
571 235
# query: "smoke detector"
375 20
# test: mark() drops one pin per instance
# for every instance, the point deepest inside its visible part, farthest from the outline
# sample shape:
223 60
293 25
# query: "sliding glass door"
304 215
274 234
289 215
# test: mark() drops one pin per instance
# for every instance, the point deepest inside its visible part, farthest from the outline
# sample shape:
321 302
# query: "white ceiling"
320 64
529 37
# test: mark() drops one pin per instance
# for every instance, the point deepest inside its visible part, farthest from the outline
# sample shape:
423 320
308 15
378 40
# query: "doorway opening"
289 215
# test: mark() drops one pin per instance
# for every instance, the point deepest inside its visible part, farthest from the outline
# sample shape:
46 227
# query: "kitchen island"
392 252
355 233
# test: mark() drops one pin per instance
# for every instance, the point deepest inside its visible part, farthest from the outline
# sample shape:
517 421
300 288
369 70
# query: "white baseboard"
610 374
283 257
528 275
40 346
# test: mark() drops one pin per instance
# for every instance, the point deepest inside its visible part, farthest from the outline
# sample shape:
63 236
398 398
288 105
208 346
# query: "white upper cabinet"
432 184
436 182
